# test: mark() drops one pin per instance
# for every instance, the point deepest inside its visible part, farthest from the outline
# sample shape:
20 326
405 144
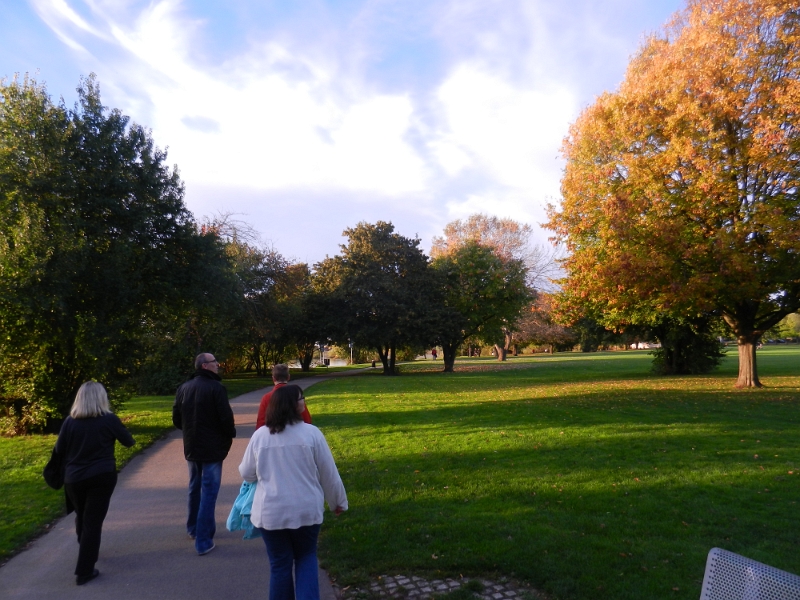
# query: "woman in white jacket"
296 473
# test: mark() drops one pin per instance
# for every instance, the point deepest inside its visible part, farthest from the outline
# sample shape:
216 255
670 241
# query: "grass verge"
583 475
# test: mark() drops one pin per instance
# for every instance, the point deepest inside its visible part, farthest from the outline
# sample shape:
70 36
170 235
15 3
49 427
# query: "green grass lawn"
583 475
28 506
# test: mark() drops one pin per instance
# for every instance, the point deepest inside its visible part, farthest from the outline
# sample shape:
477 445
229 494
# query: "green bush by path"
584 475
27 505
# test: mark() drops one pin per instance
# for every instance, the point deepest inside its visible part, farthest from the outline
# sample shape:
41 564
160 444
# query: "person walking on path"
296 474
204 415
280 377
86 443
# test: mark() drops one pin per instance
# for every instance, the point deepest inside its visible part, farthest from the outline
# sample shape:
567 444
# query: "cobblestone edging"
401 586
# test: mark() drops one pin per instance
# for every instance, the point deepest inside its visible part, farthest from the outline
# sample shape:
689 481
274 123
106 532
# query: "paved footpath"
145 553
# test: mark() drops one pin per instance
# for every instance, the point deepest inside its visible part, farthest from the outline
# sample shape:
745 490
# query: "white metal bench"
732 577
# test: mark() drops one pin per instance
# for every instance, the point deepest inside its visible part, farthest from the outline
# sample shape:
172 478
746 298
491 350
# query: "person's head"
280 373
285 406
206 360
91 401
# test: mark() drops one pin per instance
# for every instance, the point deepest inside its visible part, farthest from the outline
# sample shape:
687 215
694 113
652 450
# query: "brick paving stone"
398 587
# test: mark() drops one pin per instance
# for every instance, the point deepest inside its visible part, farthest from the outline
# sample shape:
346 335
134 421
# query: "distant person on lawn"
86 441
296 475
203 413
280 377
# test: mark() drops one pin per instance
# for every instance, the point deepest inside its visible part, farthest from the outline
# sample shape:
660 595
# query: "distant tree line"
105 274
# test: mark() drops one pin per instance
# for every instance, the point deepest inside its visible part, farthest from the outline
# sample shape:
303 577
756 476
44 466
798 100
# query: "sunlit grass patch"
586 476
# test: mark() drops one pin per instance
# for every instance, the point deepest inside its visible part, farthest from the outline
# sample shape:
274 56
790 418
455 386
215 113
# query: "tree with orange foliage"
680 194
537 325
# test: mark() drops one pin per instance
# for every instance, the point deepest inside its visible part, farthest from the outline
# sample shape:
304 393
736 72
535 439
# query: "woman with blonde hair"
86 443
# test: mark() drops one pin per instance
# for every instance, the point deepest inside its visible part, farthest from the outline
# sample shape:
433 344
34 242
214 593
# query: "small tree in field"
680 194
480 294
510 241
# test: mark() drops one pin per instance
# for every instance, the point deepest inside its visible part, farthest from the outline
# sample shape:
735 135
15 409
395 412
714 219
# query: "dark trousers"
287 548
90 498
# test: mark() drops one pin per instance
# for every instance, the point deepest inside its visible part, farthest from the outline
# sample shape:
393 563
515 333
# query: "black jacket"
202 411
87 445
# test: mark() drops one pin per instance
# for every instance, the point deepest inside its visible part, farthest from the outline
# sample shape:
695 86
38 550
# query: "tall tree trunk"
304 358
387 355
449 356
502 350
748 374
392 359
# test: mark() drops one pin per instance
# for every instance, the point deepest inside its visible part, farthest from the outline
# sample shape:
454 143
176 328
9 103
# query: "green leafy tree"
379 291
510 241
480 294
680 193
93 236
686 347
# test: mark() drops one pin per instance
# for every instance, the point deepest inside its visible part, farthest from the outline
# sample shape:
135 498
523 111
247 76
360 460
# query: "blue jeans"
204 481
287 547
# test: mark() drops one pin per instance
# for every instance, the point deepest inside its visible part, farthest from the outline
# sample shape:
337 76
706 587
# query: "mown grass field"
583 475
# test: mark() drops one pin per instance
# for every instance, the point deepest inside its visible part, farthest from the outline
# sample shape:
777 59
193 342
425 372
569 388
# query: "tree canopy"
481 295
95 241
680 193
379 288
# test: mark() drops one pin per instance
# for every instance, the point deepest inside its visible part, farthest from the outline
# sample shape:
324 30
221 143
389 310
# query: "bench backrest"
733 577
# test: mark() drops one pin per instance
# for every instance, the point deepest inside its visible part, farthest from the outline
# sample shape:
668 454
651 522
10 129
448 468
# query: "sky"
302 118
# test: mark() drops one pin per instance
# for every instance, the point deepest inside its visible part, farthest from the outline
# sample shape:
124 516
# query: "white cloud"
271 129
506 129
472 123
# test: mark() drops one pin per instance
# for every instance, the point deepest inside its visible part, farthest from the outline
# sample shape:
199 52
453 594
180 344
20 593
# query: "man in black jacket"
202 412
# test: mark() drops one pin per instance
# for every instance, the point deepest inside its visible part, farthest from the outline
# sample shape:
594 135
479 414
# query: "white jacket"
295 473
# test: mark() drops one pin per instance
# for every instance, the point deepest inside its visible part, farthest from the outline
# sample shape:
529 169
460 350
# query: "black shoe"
81 579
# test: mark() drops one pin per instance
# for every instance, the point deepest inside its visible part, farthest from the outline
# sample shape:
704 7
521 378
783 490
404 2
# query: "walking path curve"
145 553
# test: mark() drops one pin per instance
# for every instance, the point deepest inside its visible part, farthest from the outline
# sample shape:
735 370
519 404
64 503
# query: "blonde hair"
91 401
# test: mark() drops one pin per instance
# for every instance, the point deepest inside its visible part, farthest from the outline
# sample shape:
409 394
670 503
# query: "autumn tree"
509 239
680 193
538 325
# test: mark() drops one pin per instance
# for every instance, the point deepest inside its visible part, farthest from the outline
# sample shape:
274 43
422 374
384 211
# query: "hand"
338 510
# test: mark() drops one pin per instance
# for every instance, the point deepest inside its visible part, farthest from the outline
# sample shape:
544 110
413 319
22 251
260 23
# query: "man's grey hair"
280 372
200 359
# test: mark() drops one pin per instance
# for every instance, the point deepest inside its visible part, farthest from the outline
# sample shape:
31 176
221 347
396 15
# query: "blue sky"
305 117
